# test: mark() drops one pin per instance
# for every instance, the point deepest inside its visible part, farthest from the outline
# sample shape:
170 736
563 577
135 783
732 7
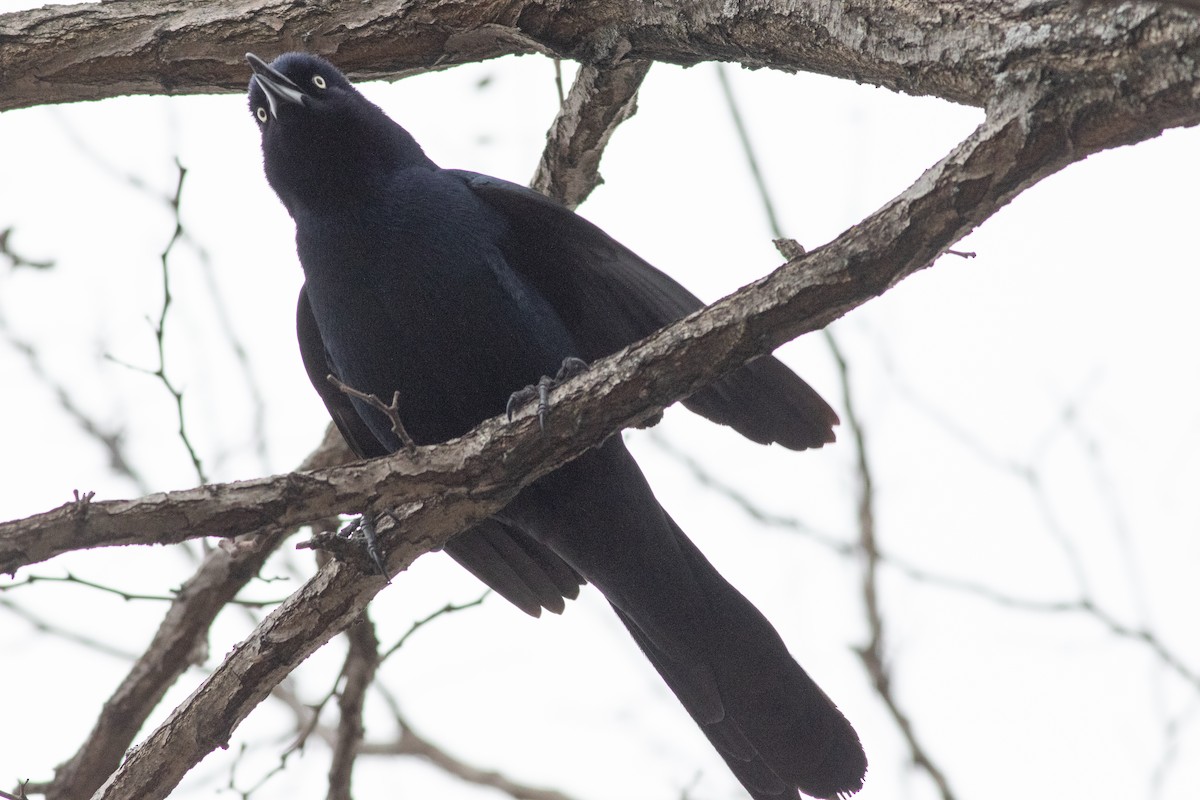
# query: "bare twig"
411 743
16 259
159 327
1027 473
249 380
789 248
121 593
59 632
392 411
558 82
449 608
249 377
22 796
704 476
111 441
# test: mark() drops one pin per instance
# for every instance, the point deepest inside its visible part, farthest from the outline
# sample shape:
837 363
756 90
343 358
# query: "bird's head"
320 136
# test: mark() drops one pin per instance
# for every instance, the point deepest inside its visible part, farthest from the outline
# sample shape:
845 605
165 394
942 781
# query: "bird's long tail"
767 718
773 725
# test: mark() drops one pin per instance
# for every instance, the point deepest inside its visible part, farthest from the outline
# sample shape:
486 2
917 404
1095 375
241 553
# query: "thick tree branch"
956 50
601 98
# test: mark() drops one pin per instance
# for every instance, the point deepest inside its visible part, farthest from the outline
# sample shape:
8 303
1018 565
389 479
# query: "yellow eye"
318 81
261 113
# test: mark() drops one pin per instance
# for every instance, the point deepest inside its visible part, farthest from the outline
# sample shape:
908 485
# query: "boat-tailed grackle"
456 290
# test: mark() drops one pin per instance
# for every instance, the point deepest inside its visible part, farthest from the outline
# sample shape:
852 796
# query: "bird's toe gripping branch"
355 541
571 367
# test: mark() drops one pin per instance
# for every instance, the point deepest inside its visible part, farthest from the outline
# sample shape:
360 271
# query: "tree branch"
359 672
178 644
955 50
601 98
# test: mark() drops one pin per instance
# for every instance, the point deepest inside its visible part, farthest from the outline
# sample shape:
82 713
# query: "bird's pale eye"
261 113
318 81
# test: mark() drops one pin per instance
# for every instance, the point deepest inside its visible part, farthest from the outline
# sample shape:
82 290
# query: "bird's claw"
363 524
571 367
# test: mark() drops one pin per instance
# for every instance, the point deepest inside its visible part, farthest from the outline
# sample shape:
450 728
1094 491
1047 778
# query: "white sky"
1066 346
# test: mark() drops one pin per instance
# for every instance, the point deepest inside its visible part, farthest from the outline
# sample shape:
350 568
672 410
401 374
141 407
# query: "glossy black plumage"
456 290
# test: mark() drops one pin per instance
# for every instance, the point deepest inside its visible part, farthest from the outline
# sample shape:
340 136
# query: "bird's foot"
365 525
356 541
571 367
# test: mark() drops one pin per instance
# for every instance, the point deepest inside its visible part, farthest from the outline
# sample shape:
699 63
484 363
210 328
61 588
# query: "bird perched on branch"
456 290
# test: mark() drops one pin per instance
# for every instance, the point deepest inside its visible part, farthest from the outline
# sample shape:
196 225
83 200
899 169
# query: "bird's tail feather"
772 724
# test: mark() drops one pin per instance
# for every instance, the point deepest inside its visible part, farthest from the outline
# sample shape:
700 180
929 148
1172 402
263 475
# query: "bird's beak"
275 85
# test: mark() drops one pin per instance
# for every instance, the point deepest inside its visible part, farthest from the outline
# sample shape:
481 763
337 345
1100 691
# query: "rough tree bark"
1058 81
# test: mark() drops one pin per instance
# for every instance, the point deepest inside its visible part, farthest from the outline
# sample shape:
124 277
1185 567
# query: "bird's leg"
571 367
364 524
372 541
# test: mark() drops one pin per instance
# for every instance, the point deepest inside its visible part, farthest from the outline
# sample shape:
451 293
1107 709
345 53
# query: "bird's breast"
425 304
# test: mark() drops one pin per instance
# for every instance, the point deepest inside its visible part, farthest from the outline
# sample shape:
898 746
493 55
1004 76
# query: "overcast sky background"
1031 416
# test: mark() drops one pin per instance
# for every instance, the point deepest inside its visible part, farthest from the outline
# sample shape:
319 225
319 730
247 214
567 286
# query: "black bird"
457 290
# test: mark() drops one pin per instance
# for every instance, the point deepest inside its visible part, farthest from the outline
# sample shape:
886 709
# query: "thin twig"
22 796
18 260
58 632
249 379
410 743
121 593
159 328
249 376
392 411
110 440
558 82
449 608
703 476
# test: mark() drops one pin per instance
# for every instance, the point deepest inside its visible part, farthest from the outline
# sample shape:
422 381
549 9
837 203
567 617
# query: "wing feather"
609 298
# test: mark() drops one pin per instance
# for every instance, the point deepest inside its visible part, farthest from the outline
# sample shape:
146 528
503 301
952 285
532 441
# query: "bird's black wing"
524 572
316 364
609 298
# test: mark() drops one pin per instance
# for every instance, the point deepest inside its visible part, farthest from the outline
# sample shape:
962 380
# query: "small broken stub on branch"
789 248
